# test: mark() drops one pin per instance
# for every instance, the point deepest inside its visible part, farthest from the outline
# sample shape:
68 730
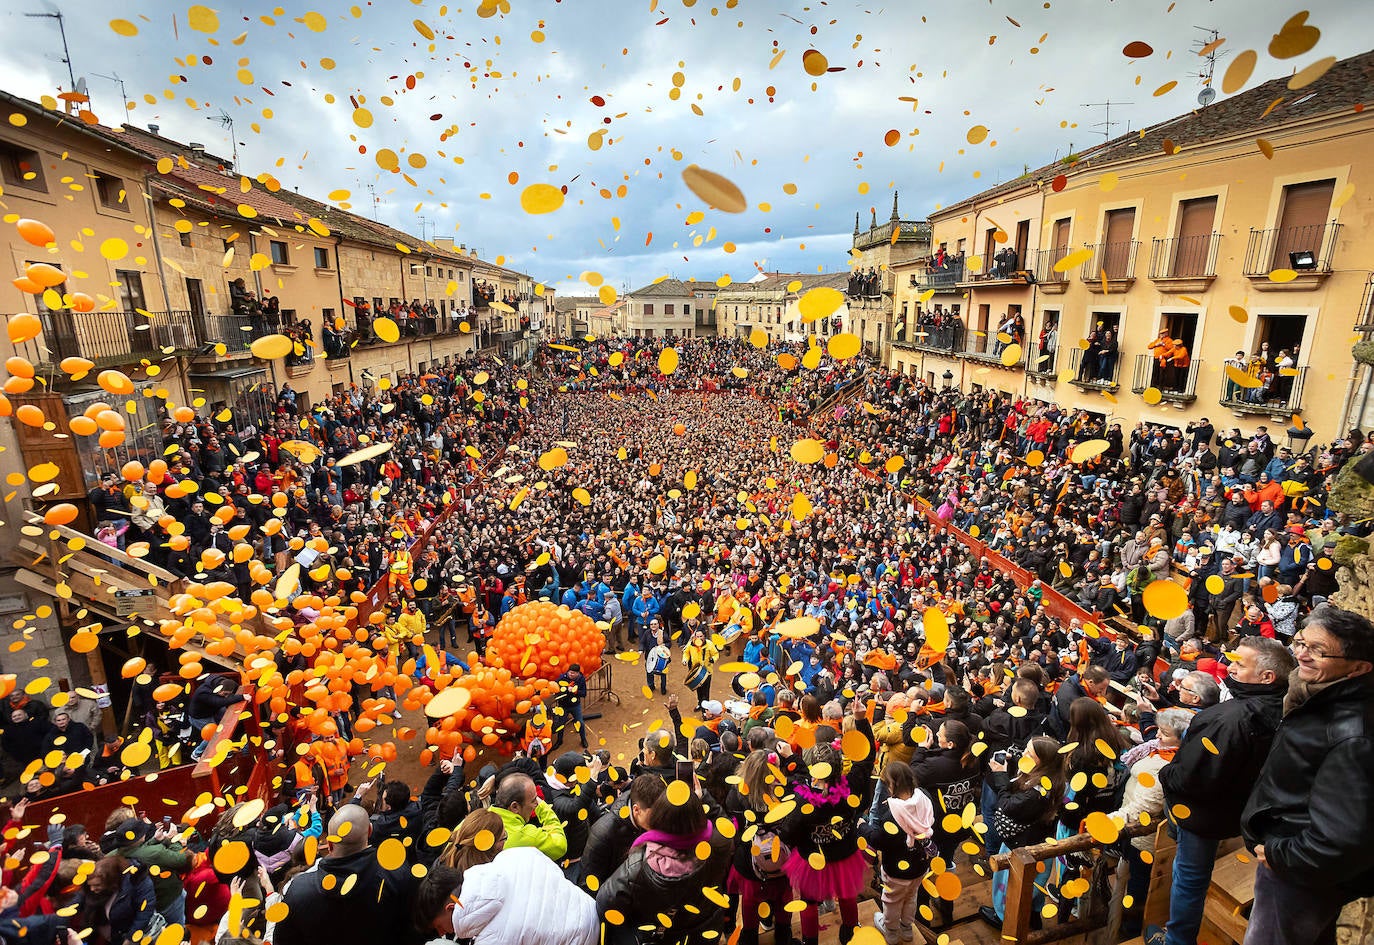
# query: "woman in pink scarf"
903 838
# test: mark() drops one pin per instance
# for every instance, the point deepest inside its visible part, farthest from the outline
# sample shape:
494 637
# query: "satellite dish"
81 86
1207 96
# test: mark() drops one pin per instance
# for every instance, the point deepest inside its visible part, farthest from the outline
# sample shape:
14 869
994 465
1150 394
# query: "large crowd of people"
871 701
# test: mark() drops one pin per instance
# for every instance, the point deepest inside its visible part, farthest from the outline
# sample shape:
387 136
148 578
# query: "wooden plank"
1020 890
1078 843
103 550
1161 879
1236 878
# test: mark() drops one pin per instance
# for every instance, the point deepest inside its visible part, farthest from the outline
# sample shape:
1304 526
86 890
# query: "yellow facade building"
874 257
769 302
1229 234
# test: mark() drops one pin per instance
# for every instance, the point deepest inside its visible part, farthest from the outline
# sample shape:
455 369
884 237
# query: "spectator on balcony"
1240 363
1161 348
1087 370
1178 370
1283 381
1047 344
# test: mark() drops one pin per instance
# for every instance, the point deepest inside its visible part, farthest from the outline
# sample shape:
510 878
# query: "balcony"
945 340
988 347
943 280
1111 268
1175 384
1042 262
1306 250
1280 400
1090 373
1364 318
115 337
1010 270
1184 263
1043 363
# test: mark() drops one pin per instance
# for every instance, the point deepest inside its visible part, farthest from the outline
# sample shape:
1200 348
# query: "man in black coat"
1310 818
350 898
1206 785
610 839
1092 682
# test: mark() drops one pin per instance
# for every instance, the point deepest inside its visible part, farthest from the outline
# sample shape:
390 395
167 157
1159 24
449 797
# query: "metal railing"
1091 371
1364 318
1043 363
1173 381
1185 257
947 277
1285 247
115 337
1003 269
1281 393
929 338
1114 260
1042 262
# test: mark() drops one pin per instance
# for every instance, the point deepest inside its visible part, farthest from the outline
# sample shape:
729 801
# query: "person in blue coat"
628 598
645 608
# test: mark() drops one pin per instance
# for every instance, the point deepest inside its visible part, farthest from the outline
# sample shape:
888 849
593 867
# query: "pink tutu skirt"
737 884
842 880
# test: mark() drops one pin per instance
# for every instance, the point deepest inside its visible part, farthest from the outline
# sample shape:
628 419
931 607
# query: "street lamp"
948 378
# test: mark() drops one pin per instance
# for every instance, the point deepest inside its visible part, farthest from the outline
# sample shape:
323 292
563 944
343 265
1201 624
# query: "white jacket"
522 898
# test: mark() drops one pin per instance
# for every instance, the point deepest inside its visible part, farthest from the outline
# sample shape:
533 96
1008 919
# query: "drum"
657 664
731 633
738 710
698 676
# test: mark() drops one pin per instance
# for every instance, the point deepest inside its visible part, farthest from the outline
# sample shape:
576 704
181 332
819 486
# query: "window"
1302 220
667 308
429 272
1115 254
21 167
130 289
280 255
185 239
321 257
60 289
648 308
1022 242
1193 247
110 191
195 298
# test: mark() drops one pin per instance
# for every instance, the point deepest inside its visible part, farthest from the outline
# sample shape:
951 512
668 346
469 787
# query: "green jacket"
170 862
547 836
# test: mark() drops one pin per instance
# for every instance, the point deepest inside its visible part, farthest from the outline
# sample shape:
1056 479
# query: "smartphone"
686 772
1000 757
167 821
59 934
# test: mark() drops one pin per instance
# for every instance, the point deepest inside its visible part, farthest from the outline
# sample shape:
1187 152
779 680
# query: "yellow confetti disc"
679 793
386 329
1215 584
1152 395
843 346
1088 449
1165 600
808 451
541 198
667 361
271 347
391 854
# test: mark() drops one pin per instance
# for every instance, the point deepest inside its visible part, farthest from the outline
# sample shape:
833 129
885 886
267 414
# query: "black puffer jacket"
1212 786
1313 807
576 806
657 879
608 843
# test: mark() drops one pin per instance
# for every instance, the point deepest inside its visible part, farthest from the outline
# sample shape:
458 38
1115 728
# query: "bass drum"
698 676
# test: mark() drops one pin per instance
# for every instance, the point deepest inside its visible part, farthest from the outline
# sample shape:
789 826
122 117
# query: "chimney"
197 148
154 128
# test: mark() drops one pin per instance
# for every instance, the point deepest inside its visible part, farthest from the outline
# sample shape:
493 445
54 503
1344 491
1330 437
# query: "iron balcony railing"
1185 257
1043 362
1042 262
930 338
944 277
1095 370
1174 382
116 337
1301 248
1116 261
1279 392
1364 318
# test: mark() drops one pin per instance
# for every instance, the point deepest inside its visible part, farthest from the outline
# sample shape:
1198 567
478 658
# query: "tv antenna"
1107 123
1207 49
226 120
123 96
66 51
376 202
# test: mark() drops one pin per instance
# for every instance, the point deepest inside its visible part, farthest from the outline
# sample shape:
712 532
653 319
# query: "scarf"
915 816
673 840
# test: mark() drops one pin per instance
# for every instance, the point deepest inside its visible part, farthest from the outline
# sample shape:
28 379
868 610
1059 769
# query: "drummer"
700 655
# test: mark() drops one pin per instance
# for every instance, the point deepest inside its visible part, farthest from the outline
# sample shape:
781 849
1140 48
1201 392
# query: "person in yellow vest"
412 625
700 653
538 734
398 570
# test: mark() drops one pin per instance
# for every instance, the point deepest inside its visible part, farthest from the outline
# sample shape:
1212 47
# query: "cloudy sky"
493 103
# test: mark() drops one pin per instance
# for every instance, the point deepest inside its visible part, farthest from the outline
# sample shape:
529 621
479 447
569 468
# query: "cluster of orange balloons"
541 640
495 714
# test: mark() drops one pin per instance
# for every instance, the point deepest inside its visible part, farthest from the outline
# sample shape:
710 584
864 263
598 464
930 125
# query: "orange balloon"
7 683
190 671
116 382
82 426
81 302
64 513
35 232
18 385
26 285
19 367
109 439
184 415
132 667
45 275
157 470
110 420
30 415
84 641
167 692
132 471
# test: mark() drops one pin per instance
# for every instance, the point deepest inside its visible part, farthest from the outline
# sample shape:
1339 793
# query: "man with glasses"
1206 785
1310 819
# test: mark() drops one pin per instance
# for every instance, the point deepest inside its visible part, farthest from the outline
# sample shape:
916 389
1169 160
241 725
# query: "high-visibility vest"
400 564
